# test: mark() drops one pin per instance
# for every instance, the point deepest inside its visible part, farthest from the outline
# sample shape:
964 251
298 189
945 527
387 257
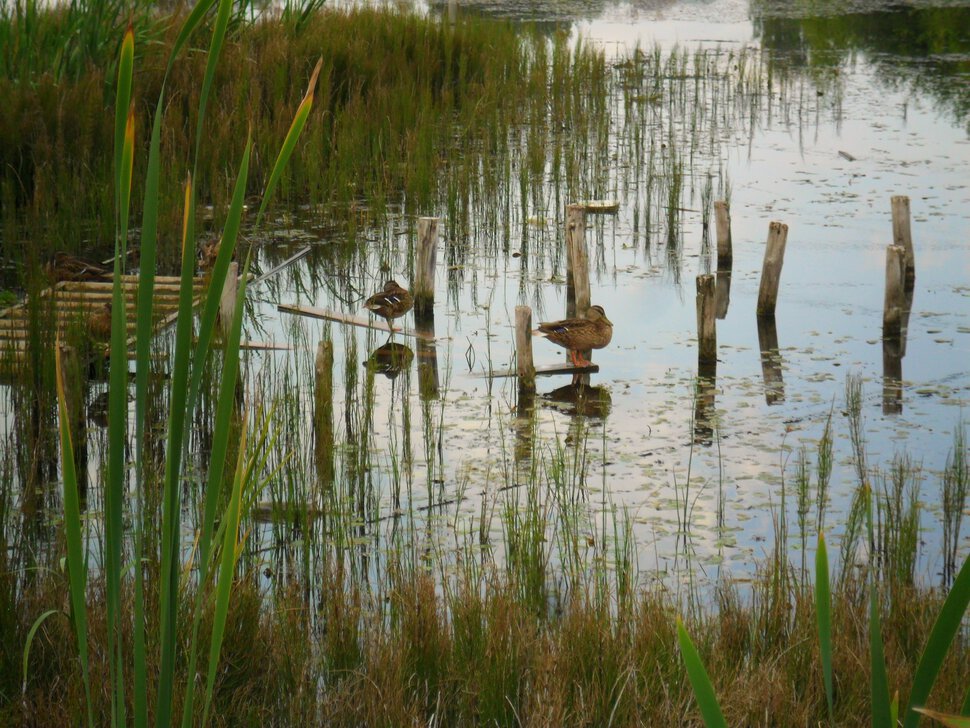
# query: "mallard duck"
579 334
66 267
209 251
392 302
99 323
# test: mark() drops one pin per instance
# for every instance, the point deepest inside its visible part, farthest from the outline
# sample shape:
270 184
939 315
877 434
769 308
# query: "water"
857 119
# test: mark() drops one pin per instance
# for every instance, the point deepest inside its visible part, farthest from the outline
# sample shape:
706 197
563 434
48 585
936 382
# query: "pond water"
812 120
860 118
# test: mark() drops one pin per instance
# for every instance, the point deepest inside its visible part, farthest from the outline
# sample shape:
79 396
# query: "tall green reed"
189 362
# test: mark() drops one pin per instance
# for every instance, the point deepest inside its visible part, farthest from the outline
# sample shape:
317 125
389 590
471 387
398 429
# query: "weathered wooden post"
771 269
892 312
227 303
770 360
722 218
902 235
722 293
323 412
525 368
706 328
425 267
577 262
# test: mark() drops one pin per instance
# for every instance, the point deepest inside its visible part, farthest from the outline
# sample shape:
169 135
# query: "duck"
208 252
66 267
392 302
578 334
99 323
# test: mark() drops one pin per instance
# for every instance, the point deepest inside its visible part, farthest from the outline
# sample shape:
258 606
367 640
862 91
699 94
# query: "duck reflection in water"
390 359
580 398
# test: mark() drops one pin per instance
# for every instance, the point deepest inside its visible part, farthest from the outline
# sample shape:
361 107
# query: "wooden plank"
548 370
350 319
601 207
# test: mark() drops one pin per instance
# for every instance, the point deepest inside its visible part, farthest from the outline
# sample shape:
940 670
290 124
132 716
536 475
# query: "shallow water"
865 126
852 125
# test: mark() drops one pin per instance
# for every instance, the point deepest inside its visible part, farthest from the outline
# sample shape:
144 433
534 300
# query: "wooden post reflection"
892 376
704 402
427 358
722 293
770 360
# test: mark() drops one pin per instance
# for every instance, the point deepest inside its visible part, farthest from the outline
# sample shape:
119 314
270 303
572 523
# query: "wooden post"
706 328
771 269
722 292
424 271
722 217
892 312
323 412
577 261
525 367
227 304
902 235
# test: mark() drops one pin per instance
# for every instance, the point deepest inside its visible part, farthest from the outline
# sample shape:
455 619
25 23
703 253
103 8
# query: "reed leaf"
878 681
941 637
171 511
226 568
30 640
217 278
823 616
699 680
220 438
76 566
947 719
218 37
126 62
289 143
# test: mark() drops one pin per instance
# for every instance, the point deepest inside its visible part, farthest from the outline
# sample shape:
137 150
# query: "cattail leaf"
944 630
823 617
699 680
289 143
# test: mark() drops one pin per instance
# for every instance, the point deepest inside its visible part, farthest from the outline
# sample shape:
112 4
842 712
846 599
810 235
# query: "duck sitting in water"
392 302
579 334
66 267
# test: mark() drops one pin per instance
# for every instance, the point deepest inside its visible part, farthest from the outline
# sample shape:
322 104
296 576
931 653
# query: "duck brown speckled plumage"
99 323
392 302
578 334
66 267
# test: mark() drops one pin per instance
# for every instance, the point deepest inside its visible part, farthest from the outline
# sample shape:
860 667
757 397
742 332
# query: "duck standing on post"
579 334
392 302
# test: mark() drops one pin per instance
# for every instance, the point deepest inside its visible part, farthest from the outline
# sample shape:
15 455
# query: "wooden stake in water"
323 412
892 376
577 263
902 235
706 328
425 267
227 303
525 367
722 218
771 269
892 311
